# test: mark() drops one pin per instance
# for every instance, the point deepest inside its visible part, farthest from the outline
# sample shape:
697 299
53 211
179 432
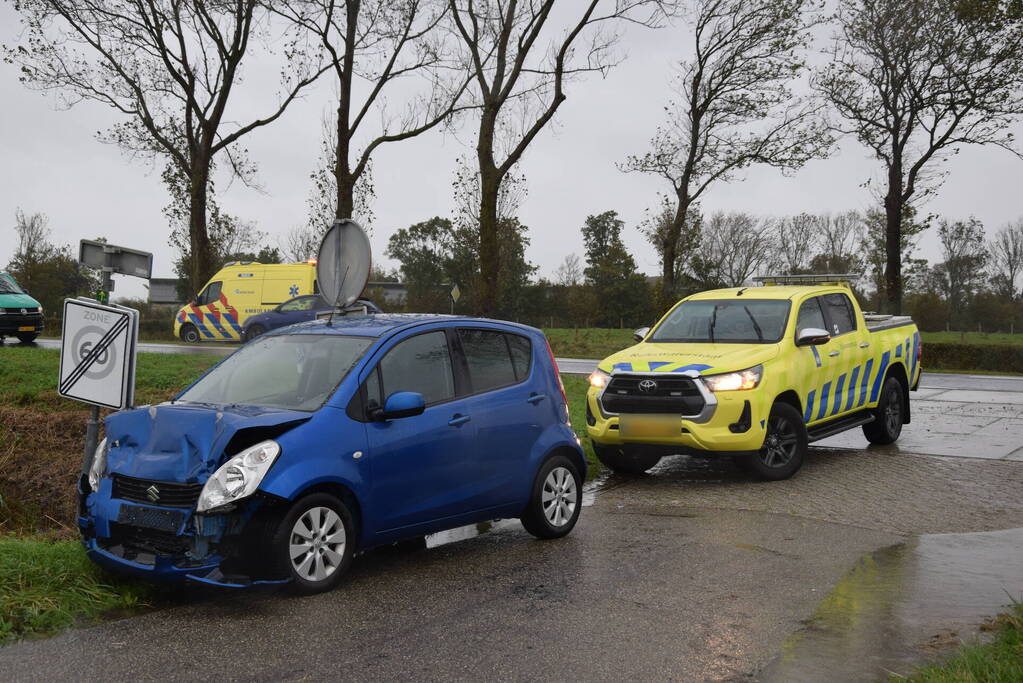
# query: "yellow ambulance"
241 289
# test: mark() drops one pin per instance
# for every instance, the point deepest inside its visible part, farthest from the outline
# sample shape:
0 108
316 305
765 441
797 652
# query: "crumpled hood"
17 300
707 359
183 443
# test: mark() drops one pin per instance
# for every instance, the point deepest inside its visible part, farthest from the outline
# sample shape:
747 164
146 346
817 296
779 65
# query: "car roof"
775 292
378 324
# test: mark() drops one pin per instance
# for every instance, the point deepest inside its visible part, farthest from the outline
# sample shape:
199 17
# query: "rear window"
840 311
489 357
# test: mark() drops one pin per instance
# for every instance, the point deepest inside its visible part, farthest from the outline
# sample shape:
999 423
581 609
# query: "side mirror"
812 336
640 334
402 404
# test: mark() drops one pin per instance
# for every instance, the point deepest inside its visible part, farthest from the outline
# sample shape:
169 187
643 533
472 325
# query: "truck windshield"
8 285
733 321
289 371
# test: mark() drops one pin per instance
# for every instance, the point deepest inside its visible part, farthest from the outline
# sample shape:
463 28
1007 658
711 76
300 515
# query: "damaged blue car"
317 441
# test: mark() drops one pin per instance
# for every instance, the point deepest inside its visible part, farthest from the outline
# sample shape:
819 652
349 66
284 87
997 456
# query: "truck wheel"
887 424
784 446
313 543
27 337
624 459
189 333
557 498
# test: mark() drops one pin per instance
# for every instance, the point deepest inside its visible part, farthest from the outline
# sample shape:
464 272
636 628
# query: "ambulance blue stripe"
234 323
699 367
654 364
912 360
816 355
898 351
885 359
824 400
863 385
200 325
218 326
852 388
838 395
622 366
809 405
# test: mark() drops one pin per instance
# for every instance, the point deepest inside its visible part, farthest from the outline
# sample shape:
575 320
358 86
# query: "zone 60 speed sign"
97 353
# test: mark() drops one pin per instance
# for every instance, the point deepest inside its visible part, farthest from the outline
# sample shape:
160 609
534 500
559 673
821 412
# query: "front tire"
888 415
314 543
554 507
254 331
27 338
784 447
624 460
189 333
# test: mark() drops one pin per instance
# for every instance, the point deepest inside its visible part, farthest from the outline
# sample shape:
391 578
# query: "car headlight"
99 464
239 477
735 381
599 379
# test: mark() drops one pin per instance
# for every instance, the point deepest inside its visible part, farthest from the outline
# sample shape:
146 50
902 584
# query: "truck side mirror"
812 336
640 334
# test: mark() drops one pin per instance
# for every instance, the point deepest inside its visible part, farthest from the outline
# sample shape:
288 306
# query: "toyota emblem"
24 311
153 493
647 385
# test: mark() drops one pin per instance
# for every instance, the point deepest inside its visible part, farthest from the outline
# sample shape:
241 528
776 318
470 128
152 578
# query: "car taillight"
557 375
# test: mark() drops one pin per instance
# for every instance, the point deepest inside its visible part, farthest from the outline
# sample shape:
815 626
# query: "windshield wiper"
760 334
713 322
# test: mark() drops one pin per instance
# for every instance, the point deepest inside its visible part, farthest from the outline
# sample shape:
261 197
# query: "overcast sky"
51 162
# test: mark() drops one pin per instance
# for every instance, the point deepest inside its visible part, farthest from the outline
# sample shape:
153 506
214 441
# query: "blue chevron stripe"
852 388
824 400
809 405
885 359
838 395
816 355
197 320
864 381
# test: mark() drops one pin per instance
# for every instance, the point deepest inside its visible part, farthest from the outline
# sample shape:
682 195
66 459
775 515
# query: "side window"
373 397
810 315
304 303
840 312
521 352
490 362
209 295
421 364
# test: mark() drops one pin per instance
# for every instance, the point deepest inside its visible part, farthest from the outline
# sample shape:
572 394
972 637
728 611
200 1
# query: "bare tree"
373 45
170 69
733 108
519 62
795 238
1006 259
962 271
737 245
570 272
839 240
323 195
300 243
914 80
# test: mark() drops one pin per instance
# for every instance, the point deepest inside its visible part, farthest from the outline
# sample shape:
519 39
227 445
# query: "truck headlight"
735 381
99 465
239 477
599 379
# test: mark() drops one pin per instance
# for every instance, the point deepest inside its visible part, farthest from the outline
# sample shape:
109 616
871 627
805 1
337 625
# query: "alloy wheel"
317 543
559 497
893 413
780 443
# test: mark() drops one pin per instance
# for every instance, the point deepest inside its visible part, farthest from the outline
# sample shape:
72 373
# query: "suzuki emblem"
153 493
647 385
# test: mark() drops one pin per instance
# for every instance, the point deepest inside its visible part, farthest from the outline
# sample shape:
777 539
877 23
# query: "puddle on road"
904 604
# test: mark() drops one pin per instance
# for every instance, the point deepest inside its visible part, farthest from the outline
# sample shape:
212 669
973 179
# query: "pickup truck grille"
670 395
166 493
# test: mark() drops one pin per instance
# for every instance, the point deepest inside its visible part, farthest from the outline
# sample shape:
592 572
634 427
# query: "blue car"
298 310
320 440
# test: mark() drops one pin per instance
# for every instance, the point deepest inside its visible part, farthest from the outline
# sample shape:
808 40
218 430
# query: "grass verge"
575 388
47 586
998 660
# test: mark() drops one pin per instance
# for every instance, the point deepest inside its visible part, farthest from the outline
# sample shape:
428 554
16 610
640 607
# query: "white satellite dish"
343 263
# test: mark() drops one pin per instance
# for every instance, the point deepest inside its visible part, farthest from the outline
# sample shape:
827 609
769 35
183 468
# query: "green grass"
587 342
575 388
47 586
998 660
28 376
1001 338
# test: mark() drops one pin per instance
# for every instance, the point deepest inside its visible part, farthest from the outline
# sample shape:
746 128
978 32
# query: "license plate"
151 518
26 328
649 425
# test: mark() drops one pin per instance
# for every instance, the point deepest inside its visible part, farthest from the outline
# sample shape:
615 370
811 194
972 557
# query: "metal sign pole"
92 424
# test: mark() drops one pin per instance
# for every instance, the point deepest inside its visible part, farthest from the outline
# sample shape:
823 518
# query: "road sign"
116 259
456 293
343 263
97 353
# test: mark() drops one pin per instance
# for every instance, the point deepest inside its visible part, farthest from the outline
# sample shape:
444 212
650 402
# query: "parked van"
21 316
239 290
316 441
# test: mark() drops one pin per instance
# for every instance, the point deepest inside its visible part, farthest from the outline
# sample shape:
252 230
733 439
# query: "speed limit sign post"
97 358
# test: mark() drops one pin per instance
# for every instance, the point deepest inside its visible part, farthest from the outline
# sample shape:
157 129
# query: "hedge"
984 357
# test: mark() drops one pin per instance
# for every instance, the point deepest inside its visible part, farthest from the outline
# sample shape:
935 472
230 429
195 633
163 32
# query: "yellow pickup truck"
755 373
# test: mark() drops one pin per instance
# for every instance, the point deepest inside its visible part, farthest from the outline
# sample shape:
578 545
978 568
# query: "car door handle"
864 345
834 353
536 398
458 420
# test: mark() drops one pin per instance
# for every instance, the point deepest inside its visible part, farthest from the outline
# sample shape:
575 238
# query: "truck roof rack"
809 279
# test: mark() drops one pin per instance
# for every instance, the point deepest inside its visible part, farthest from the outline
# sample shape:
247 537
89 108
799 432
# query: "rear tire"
313 544
557 499
253 332
888 415
624 460
784 447
27 338
189 333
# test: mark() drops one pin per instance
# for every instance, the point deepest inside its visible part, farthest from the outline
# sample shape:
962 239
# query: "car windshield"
289 371
8 285
735 321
